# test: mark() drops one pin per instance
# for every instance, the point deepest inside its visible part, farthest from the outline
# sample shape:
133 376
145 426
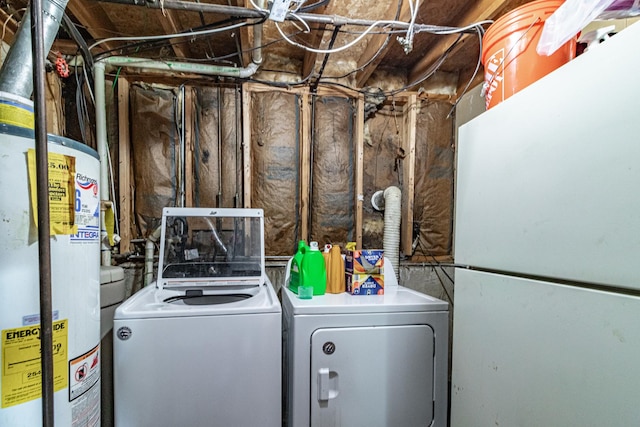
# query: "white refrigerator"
546 325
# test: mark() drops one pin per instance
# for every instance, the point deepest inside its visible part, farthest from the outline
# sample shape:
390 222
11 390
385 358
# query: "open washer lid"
210 246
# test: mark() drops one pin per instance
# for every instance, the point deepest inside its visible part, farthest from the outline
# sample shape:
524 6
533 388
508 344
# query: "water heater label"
84 372
62 171
87 209
21 375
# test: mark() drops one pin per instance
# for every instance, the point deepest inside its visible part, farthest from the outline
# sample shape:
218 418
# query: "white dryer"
202 345
369 361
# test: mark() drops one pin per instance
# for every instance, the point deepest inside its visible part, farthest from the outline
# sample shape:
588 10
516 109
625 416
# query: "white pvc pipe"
180 67
392 215
101 141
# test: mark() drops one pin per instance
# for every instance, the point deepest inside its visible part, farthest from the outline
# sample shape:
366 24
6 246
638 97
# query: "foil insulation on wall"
217 152
155 152
332 195
275 141
434 171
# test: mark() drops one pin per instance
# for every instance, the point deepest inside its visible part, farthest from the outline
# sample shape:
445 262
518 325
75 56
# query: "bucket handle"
487 85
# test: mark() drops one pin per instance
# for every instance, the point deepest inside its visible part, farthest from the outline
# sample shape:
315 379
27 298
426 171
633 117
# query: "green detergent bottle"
314 270
296 266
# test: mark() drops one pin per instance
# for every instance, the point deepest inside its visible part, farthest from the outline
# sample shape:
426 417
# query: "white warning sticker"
84 372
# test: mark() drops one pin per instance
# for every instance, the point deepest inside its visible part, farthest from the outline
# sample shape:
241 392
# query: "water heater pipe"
391 202
17 69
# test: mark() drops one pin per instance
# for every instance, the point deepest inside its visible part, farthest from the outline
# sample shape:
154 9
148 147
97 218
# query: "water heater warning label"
84 372
21 375
62 171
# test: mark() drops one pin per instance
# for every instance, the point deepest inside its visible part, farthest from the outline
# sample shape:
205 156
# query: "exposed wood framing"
246 145
246 36
93 17
484 9
189 141
171 25
65 47
124 167
359 171
376 43
10 27
314 40
54 105
408 172
305 166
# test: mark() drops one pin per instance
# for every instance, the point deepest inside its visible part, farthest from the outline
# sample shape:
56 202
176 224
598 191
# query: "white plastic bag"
567 21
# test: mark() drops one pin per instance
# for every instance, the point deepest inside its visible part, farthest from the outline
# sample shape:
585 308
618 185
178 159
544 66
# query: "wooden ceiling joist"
377 42
485 9
10 27
314 40
93 18
246 37
171 25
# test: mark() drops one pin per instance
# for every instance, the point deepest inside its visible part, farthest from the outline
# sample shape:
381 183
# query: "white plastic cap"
313 246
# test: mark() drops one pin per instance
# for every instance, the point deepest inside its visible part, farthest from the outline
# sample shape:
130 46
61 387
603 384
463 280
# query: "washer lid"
212 246
396 299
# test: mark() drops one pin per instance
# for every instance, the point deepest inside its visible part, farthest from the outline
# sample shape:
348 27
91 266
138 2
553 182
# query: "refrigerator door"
530 353
547 180
372 376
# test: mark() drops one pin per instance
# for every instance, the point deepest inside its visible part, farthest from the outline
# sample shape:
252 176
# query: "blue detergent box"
364 261
365 284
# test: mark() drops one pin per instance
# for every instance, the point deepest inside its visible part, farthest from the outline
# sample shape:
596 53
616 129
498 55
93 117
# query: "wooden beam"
408 173
65 47
245 33
171 25
484 9
377 41
359 170
305 164
246 145
10 27
54 105
124 167
189 141
95 20
314 40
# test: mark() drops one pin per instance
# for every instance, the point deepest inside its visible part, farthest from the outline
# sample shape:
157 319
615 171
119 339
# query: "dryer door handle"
327 384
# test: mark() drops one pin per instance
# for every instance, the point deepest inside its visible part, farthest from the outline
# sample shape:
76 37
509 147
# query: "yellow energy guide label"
21 375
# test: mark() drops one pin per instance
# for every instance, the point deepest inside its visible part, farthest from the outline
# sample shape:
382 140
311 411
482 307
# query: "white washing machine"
202 345
366 361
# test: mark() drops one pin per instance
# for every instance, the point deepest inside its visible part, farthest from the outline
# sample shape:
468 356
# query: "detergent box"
364 261
365 284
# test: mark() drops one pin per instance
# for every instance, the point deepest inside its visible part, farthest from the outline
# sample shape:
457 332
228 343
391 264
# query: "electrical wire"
141 46
473 76
4 25
338 49
170 36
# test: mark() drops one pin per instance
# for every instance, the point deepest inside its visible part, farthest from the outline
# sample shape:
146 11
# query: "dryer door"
372 376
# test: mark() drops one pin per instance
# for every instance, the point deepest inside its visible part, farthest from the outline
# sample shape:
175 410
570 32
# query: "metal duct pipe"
390 201
17 70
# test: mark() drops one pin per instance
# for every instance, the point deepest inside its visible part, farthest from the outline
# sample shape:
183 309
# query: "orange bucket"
509 55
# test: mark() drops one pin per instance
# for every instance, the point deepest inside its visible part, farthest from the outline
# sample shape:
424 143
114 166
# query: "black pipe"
42 180
314 85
